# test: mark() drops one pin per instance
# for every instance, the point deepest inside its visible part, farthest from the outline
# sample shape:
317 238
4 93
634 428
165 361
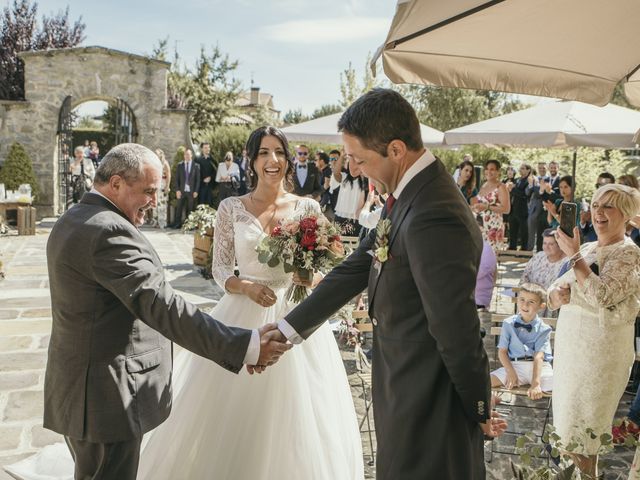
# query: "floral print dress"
492 223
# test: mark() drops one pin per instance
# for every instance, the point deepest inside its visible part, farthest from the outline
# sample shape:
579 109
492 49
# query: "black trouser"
186 200
518 231
205 195
537 224
105 461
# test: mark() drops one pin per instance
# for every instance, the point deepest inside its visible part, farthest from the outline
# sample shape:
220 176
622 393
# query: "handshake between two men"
272 345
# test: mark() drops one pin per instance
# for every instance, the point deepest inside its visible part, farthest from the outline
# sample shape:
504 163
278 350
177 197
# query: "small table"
25 216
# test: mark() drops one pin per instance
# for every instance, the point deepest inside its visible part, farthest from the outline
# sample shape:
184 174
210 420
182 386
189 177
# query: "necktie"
526 326
390 202
187 169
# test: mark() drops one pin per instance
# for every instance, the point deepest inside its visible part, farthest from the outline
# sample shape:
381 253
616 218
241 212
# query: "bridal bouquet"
302 245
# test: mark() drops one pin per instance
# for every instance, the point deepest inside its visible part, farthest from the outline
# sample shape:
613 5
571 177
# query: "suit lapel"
399 214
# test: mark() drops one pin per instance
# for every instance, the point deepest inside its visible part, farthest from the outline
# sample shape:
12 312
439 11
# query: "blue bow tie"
302 166
526 326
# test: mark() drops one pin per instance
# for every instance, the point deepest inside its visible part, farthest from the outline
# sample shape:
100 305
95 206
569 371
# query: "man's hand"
534 392
178 194
206 179
272 346
495 426
195 194
512 379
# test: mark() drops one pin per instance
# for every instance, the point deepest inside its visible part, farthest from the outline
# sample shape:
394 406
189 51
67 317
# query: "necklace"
275 209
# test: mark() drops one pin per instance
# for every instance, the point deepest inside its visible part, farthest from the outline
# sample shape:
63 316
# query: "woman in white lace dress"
599 298
294 421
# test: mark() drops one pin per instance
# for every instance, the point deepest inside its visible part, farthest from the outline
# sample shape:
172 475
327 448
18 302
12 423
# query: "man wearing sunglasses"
307 179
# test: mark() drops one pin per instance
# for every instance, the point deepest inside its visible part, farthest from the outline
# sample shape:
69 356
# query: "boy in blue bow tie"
524 348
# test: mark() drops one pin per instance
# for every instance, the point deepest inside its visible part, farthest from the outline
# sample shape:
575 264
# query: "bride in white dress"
294 421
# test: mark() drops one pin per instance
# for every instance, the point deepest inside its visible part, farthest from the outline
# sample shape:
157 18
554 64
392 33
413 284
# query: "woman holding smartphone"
553 208
599 298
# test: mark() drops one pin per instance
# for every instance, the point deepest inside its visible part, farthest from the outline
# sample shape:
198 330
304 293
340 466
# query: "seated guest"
524 348
544 266
486 278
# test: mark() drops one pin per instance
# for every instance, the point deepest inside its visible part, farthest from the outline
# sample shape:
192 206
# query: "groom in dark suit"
431 388
108 375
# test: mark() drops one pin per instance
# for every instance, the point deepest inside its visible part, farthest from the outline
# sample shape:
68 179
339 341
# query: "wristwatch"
572 262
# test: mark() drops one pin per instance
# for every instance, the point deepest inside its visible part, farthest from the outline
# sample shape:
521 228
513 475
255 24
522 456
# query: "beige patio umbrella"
325 130
571 49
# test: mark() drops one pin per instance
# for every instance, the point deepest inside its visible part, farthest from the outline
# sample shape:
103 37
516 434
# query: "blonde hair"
626 199
535 289
228 156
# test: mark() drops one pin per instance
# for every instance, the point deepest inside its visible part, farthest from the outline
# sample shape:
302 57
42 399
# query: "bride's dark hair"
253 147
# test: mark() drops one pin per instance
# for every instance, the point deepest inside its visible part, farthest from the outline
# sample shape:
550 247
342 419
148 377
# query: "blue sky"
294 49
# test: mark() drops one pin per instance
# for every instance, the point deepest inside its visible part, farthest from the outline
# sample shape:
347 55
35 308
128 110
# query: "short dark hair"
568 179
549 232
494 161
608 176
323 156
380 116
337 152
253 147
202 144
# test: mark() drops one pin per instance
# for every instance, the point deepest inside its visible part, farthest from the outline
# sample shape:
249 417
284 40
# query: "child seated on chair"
524 348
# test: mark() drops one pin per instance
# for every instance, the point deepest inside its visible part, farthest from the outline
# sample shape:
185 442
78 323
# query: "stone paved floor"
25 322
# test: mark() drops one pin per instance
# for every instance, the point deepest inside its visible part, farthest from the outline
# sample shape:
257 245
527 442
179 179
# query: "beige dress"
594 347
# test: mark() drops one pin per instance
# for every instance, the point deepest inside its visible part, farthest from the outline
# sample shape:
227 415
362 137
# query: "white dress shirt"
253 350
302 169
423 162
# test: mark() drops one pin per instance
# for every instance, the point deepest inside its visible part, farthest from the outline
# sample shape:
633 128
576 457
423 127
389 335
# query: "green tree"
87 122
294 116
209 89
325 110
351 89
18 169
20 32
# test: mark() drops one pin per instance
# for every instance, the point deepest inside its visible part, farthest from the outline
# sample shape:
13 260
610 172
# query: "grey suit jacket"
430 371
108 375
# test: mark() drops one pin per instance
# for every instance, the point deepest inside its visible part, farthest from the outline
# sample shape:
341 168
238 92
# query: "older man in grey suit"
108 376
431 388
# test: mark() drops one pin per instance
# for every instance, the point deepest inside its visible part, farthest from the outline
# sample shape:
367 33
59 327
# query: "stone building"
56 81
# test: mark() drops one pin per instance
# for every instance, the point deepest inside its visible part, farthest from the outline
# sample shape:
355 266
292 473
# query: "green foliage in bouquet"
18 169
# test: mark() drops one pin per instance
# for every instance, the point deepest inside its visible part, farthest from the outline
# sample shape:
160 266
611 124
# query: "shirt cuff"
289 332
253 350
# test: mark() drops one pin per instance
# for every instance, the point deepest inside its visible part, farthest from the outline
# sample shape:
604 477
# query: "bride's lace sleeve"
619 278
224 253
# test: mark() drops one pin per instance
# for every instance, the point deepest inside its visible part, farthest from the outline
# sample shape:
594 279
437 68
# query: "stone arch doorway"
40 122
118 125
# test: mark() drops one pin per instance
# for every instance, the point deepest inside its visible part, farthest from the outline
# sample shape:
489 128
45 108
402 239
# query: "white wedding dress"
294 421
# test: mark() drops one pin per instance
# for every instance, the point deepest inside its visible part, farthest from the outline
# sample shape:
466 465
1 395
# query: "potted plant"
202 221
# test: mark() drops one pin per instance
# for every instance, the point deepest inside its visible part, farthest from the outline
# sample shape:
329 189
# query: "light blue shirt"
521 343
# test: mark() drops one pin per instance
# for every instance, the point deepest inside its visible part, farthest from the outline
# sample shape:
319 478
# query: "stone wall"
87 73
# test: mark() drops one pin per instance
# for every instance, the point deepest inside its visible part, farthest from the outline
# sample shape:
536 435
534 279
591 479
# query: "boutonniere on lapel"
381 252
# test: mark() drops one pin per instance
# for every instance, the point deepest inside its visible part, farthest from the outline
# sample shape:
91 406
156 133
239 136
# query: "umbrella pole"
573 173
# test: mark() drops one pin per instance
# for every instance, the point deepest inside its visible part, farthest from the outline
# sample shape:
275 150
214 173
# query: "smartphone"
568 212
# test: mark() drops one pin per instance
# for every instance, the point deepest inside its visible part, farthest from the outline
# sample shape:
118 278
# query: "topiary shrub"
18 169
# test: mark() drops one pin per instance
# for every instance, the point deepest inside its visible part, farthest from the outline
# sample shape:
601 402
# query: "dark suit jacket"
312 184
108 375
519 204
207 167
181 177
430 371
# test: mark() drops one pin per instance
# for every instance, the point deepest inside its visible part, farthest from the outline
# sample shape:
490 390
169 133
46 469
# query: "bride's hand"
260 294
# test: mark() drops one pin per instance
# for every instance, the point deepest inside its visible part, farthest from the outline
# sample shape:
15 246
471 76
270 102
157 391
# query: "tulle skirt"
294 421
